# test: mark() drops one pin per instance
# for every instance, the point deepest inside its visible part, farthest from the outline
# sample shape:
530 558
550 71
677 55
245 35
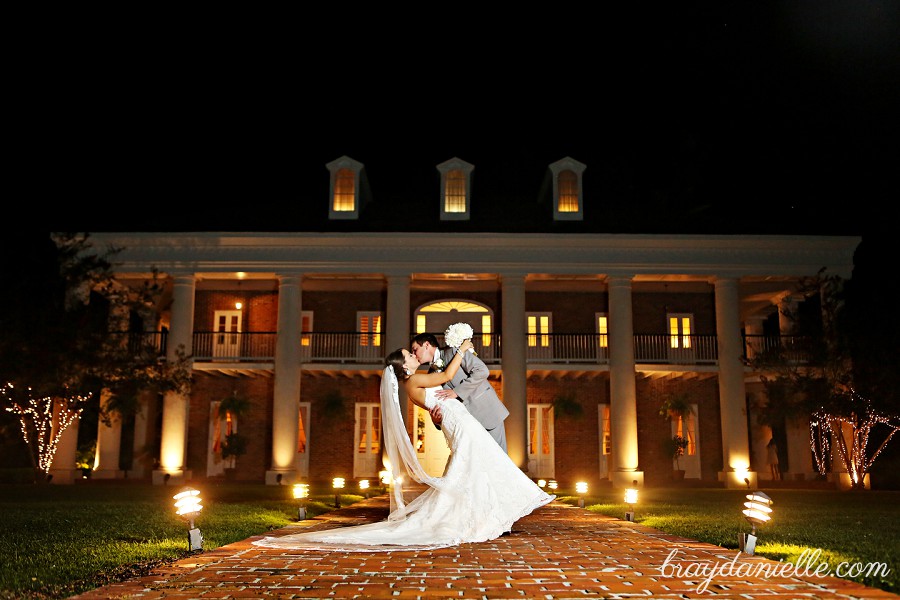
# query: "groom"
470 385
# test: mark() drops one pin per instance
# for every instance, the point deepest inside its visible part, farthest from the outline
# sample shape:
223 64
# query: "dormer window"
568 193
456 189
344 197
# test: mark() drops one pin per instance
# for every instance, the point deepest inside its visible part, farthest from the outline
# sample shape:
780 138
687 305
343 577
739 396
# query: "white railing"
555 348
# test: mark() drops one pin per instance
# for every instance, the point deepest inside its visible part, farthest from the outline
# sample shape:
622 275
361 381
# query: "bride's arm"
425 380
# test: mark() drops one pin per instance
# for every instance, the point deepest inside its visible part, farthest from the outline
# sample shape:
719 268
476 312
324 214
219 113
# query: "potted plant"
676 446
234 445
676 407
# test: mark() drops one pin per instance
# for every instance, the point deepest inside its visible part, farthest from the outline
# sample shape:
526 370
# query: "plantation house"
603 326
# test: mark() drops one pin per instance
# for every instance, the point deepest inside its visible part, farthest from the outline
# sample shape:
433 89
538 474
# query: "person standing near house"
772 459
470 385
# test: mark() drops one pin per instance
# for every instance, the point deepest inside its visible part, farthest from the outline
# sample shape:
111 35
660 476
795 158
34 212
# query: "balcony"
355 348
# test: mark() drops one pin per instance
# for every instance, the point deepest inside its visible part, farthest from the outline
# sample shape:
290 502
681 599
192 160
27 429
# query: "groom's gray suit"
477 394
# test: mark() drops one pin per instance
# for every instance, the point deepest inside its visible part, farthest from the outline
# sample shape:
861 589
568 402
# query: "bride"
481 494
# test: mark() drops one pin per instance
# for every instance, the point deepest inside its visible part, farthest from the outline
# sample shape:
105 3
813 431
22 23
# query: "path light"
301 491
187 505
758 510
338 484
542 483
385 478
364 487
552 484
581 488
631 498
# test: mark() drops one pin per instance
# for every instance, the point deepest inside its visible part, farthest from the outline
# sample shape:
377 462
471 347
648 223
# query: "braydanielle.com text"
807 565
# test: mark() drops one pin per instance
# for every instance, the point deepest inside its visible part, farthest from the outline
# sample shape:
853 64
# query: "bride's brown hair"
395 361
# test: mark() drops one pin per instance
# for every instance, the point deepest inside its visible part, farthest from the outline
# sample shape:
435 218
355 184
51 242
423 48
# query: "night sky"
737 117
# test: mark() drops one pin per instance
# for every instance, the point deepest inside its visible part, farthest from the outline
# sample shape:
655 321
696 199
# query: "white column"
622 391
285 405
735 444
175 406
109 441
396 327
63 469
515 374
109 429
141 449
753 328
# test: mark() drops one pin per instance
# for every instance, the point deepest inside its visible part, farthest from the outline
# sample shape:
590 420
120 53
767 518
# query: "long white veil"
404 464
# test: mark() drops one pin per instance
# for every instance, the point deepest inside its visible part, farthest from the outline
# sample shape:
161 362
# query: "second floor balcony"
574 349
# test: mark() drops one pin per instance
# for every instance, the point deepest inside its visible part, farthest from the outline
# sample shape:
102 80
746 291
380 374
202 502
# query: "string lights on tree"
43 421
826 431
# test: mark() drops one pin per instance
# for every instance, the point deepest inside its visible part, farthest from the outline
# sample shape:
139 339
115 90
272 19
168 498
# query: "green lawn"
851 527
59 540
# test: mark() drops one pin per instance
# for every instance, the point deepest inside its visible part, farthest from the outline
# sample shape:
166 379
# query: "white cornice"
403 253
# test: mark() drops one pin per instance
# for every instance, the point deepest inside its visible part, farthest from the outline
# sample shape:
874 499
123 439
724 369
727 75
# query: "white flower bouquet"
457 333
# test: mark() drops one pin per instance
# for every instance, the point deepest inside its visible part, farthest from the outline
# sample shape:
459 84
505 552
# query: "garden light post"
385 478
301 491
552 484
581 488
187 505
364 487
338 484
758 510
631 498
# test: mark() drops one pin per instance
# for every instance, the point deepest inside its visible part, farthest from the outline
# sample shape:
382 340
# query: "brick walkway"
559 551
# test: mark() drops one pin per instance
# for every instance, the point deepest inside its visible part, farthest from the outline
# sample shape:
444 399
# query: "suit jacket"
472 386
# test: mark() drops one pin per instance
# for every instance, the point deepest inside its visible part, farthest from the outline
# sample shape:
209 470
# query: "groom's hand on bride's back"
436 416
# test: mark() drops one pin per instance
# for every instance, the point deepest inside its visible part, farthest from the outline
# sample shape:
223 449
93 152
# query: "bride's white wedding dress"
481 494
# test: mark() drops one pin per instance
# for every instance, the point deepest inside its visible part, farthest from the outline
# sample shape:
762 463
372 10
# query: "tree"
58 342
824 387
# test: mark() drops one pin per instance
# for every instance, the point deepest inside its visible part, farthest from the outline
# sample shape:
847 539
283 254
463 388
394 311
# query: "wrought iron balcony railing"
550 348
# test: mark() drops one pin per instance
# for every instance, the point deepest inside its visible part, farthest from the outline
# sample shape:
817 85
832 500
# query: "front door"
686 427
540 441
367 447
226 341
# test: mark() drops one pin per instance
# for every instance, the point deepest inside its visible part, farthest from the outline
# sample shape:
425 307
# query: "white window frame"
334 168
557 168
446 168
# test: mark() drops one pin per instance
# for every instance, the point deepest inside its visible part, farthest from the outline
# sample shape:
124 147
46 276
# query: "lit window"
538 326
568 193
344 198
369 329
607 429
344 191
602 331
456 187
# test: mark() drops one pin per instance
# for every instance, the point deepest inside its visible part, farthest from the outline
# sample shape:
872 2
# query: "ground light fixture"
758 510
581 488
364 487
631 498
338 484
188 505
552 484
301 491
385 478
542 483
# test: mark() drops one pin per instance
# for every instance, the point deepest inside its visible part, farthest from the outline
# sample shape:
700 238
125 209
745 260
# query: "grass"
857 528
60 540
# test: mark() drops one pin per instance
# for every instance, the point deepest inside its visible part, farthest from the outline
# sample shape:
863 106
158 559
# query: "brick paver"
558 552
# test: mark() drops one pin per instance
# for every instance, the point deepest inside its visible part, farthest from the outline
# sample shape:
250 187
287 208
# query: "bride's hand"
466 345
